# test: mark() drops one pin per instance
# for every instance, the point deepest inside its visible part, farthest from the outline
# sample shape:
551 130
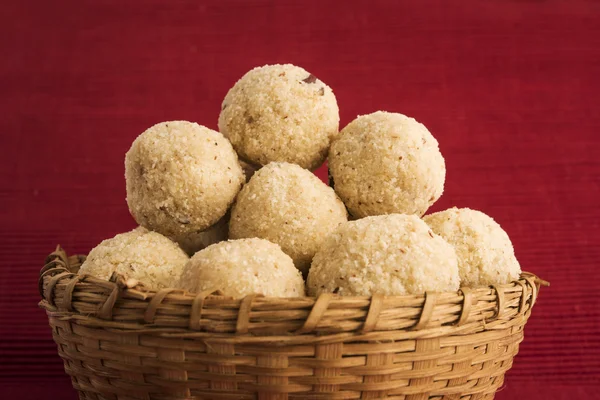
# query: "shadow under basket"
120 341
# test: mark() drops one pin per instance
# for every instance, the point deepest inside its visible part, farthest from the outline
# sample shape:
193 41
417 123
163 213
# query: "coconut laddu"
280 113
384 163
181 178
290 206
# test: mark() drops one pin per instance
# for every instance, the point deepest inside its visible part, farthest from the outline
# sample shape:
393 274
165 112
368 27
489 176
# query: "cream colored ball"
392 254
280 113
386 163
181 178
290 206
242 267
146 256
485 252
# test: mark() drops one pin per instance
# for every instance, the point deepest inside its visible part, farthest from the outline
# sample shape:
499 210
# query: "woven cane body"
121 342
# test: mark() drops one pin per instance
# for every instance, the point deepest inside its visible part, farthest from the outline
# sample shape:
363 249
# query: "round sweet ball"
181 178
242 267
290 206
280 113
192 242
393 254
146 256
485 252
385 163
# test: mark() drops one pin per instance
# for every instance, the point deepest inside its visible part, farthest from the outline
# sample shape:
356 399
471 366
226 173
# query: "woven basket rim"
61 289
59 258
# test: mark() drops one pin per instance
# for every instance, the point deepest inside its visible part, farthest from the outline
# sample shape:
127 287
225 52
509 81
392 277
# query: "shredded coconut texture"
392 254
146 256
280 113
181 178
290 206
485 252
242 267
386 163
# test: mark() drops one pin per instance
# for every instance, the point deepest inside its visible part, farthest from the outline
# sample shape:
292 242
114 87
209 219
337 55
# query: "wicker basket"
121 341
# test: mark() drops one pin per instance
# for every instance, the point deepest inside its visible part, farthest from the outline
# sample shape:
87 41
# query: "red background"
509 88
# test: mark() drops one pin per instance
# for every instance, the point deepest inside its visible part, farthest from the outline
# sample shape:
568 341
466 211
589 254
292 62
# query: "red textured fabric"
509 88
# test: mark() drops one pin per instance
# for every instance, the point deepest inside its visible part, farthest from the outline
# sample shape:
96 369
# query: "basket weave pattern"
120 341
